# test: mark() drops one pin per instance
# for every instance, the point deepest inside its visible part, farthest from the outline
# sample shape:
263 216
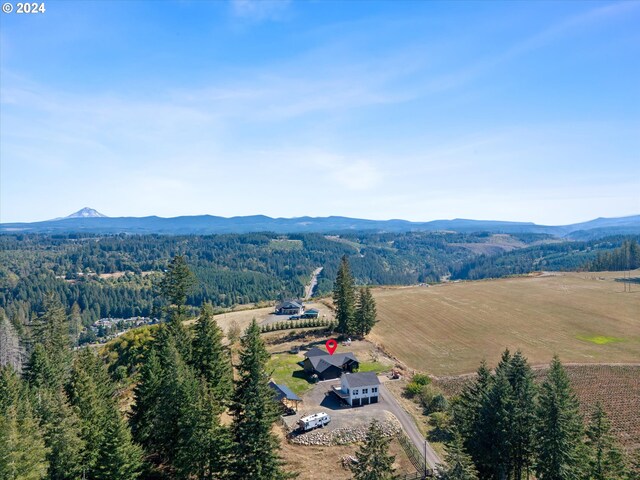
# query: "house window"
355 392
365 390
374 390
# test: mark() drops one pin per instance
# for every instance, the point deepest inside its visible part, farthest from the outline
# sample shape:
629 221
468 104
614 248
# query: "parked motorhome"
313 421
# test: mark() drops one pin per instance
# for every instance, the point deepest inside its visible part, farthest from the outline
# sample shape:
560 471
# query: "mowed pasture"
448 329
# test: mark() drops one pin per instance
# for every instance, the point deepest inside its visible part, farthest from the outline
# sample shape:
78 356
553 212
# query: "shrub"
421 379
426 395
438 404
412 389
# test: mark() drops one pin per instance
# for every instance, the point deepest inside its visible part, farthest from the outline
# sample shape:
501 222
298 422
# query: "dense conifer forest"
117 276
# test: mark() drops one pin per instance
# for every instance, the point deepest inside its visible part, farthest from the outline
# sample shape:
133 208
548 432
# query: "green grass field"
287 371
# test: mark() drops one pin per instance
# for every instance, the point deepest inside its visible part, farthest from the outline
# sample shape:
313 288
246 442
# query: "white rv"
313 421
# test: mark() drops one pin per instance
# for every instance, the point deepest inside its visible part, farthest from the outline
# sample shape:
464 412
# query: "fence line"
412 452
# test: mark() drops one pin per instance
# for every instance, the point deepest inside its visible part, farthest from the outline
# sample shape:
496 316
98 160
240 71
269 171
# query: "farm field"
449 328
616 387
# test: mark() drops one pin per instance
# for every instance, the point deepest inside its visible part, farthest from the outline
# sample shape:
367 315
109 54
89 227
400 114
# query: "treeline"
502 426
564 256
626 257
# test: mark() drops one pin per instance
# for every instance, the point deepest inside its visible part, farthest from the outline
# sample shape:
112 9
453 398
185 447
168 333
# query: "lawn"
373 367
286 371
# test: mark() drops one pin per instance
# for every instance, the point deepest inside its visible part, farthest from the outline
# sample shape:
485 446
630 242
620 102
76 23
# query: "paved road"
308 289
410 427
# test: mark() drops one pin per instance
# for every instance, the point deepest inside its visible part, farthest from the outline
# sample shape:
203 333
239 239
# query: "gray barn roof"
360 379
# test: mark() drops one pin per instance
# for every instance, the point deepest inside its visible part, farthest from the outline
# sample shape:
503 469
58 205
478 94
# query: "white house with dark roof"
290 307
358 389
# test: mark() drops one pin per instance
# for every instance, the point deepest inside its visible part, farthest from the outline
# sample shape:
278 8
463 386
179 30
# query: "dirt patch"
306 459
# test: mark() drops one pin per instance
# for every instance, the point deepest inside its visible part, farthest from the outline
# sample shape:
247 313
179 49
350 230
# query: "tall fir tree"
51 331
344 298
90 392
559 448
23 454
495 422
204 447
523 415
365 316
63 436
254 411
606 460
175 286
147 408
210 358
458 463
468 422
119 457
374 461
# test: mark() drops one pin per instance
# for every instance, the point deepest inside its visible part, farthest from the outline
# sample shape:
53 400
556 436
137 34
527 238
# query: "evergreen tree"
523 415
254 413
458 464
374 461
210 358
62 433
204 445
91 393
606 460
467 420
40 373
559 428
118 456
177 283
344 297
146 409
51 331
165 414
495 423
365 317
23 454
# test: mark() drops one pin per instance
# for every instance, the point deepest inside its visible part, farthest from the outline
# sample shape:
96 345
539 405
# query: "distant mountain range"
89 220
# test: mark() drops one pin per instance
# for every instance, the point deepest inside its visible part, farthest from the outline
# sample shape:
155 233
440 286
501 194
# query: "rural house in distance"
327 366
359 388
290 307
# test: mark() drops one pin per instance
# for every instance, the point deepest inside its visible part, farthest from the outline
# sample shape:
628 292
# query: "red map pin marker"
331 346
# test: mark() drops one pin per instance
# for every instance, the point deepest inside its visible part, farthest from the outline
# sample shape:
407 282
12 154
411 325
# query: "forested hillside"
115 276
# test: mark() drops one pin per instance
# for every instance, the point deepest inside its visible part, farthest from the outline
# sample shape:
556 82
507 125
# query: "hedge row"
293 324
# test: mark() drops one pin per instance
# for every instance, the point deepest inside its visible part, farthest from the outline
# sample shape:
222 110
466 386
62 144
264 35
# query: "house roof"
360 379
282 391
315 352
322 362
290 304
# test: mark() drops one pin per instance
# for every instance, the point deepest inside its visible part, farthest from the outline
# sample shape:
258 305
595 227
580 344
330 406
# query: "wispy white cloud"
260 10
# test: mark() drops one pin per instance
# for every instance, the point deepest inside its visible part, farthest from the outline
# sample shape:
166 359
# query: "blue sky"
419 110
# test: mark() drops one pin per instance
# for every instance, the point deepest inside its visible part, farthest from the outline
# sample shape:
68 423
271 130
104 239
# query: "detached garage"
358 389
